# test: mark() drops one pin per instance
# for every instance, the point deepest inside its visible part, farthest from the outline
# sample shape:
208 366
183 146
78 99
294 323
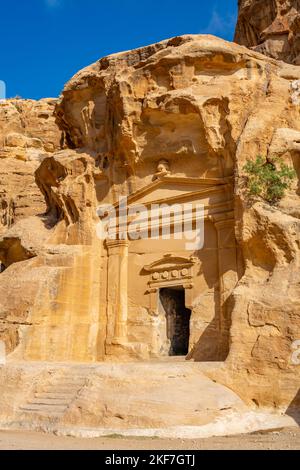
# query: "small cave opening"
102 162
177 319
2 267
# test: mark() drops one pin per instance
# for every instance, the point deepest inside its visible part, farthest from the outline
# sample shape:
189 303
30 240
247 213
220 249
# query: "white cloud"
219 25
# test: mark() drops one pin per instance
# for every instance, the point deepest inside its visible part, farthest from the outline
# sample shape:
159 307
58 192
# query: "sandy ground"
286 439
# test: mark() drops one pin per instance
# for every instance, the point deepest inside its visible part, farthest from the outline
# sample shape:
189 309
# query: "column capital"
117 243
225 219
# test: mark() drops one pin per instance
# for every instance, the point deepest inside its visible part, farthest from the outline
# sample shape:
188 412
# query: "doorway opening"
177 319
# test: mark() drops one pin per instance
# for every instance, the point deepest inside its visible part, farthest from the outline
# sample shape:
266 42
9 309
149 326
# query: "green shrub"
268 179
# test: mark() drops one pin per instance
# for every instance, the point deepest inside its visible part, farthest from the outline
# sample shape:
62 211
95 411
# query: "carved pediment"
175 189
172 188
169 262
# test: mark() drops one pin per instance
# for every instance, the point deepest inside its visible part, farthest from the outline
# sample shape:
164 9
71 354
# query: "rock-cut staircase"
51 400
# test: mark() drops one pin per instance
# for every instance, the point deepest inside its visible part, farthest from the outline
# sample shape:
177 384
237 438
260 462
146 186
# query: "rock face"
28 133
271 27
80 399
169 123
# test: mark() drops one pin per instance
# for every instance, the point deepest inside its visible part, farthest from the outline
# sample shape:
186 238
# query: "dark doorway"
178 319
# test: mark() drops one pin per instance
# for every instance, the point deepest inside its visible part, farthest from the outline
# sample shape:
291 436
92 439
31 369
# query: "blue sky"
44 42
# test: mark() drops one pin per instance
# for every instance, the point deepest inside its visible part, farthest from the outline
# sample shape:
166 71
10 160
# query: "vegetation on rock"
268 179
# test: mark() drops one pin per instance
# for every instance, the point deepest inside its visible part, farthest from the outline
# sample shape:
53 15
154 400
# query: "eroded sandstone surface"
28 133
174 121
271 27
79 400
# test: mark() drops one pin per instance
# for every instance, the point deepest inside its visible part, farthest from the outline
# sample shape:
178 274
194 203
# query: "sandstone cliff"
205 106
271 27
28 133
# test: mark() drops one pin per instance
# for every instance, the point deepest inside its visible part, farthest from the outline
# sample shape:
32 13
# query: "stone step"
66 383
49 401
70 375
44 408
48 415
53 399
60 389
54 395
73 376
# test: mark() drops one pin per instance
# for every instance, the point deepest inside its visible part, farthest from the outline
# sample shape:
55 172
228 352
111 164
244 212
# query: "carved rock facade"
169 123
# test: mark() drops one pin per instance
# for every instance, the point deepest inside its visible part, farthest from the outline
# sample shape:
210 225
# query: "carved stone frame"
170 271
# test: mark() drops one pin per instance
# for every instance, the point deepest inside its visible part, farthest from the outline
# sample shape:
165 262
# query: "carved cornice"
169 262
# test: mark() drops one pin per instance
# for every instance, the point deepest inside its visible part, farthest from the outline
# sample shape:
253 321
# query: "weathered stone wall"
271 27
28 133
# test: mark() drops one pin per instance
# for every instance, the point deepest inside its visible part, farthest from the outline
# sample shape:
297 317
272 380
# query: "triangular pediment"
169 262
171 188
